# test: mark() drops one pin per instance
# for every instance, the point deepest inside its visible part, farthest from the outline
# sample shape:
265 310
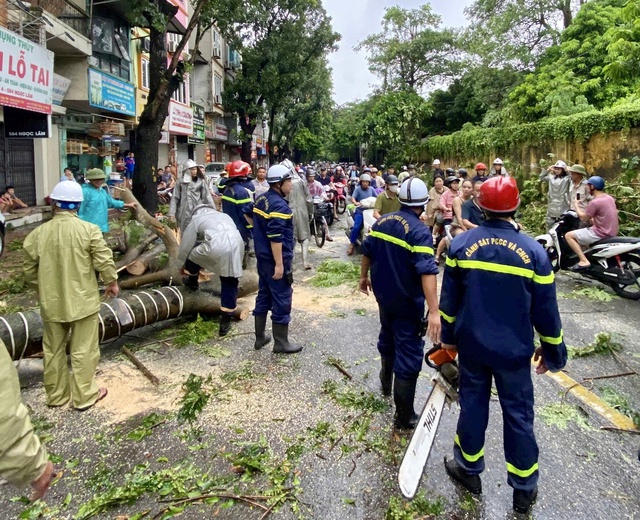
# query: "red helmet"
499 195
239 169
227 167
481 166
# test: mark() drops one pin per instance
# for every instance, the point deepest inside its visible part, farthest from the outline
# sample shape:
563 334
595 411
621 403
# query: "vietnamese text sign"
198 124
110 93
25 124
26 73
221 132
60 87
180 119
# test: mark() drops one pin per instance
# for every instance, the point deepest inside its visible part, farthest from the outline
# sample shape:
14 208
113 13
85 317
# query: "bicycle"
318 221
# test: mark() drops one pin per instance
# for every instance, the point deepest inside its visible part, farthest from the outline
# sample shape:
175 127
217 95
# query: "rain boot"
386 375
404 392
262 338
225 324
522 500
281 340
471 483
191 281
305 254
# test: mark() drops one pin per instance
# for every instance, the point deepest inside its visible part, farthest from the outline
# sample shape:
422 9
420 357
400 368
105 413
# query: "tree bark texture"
22 332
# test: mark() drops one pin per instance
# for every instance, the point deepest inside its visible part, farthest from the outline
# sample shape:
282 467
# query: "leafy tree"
165 76
394 126
347 129
518 31
278 40
412 51
624 46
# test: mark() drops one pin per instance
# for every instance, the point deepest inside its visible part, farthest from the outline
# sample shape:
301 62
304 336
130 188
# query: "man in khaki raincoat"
23 460
63 256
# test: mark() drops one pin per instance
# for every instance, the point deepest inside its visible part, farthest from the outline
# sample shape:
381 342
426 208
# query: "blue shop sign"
109 93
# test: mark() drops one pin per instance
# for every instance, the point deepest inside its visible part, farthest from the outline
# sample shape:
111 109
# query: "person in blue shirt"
97 201
363 191
498 287
274 242
399 253
237 202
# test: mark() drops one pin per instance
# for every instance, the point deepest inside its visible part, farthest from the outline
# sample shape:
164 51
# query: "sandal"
102 393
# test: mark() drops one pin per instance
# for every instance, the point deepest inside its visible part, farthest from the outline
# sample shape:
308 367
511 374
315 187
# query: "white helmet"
189 164
561 164
68 195
498 161
365 177
414 192
436 162
278 173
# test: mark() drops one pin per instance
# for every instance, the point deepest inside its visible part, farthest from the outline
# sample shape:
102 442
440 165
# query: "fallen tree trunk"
149 261
132 254
22 332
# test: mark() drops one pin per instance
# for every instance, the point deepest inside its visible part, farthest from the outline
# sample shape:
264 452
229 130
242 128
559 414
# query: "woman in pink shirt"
446 200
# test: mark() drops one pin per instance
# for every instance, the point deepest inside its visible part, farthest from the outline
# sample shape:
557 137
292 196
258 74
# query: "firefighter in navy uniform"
399 253
274 243
237 202
498 287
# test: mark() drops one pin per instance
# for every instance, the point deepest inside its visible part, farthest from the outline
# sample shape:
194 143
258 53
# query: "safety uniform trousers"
228 287
400 339
515 391
81 385
273 295
22 458
358 224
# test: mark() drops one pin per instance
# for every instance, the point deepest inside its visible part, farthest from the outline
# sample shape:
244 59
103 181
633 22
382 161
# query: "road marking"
592 401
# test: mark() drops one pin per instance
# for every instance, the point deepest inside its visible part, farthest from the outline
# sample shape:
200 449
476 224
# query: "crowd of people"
267 214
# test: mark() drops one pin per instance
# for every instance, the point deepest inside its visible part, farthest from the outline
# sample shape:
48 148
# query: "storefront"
178 127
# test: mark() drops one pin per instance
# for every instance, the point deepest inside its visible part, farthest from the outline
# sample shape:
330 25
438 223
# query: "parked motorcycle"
321 212
614 261
367 215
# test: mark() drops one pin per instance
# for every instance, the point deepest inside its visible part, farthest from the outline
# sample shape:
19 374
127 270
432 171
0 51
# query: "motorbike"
367 215
331 198
322 210
341 197
614 261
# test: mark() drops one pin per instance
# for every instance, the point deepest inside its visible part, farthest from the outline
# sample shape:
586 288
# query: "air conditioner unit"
146 44
218 99
217 52
172 46
186 56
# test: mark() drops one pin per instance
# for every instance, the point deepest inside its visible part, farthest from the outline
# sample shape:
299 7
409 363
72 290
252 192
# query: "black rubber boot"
386 375
191 282
471 483
522 500
225 325
262 338
281 343
404 393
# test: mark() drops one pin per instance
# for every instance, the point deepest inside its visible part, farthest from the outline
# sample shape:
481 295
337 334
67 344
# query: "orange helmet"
499 195
239 169
481 166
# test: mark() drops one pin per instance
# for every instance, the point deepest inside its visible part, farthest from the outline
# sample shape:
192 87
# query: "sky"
355 20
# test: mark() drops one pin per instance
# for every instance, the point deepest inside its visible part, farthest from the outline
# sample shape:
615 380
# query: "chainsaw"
444 391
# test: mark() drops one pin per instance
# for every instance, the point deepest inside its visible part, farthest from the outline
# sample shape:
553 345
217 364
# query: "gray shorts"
586 236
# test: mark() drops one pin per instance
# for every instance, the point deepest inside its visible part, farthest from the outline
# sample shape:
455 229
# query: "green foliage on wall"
480 142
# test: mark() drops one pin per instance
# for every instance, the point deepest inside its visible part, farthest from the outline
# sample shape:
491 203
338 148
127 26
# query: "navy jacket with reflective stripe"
400 247
273 222
237 201
498 286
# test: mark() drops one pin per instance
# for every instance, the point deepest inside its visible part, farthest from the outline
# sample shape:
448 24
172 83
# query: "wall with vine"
597 139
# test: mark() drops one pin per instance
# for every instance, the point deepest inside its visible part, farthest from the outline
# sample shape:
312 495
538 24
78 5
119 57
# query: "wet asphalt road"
586 472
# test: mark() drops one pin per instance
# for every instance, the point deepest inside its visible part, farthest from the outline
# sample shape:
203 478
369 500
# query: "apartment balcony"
60 25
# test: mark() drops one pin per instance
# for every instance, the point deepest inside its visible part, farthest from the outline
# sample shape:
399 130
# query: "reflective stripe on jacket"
237 201
400 247
498 286
273 222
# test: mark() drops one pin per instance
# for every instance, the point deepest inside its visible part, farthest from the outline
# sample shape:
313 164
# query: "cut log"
148 261
22 332
136 251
